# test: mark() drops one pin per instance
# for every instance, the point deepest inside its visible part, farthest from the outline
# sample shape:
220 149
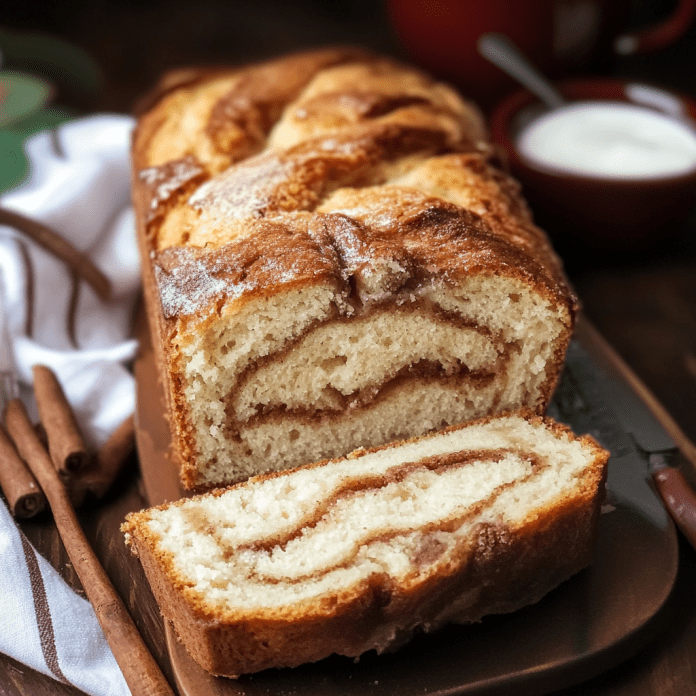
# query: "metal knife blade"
626 426
635 417
582 403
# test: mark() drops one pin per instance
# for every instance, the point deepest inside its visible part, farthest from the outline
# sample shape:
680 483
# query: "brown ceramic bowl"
595 212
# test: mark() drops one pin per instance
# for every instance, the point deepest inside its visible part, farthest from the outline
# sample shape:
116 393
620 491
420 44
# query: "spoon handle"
498 49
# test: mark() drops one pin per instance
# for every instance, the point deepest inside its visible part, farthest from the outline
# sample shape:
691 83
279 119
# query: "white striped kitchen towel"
45 625
79 185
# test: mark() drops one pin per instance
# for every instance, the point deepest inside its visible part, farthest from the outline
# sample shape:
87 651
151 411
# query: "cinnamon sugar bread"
333 260
357 553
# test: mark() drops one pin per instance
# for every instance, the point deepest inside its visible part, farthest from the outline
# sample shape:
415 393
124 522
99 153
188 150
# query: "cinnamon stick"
24 496
60 247
65 443
141 672
97 479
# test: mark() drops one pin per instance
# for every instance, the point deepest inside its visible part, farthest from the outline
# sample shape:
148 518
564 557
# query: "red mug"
559 36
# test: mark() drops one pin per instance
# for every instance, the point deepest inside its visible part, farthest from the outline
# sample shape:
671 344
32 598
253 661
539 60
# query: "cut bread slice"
357 553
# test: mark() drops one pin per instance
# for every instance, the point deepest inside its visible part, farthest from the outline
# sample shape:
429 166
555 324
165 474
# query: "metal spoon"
498 49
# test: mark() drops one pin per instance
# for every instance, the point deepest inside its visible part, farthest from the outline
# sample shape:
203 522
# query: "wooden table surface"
644 305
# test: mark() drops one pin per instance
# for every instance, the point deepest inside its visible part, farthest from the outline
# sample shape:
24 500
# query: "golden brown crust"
298 179
231 109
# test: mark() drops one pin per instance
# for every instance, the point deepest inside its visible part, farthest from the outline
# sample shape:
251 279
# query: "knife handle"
679 499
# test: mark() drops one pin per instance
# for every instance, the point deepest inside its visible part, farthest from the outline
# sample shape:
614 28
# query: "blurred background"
103 55
132 42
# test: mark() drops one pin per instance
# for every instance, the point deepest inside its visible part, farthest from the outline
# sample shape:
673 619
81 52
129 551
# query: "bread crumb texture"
354 554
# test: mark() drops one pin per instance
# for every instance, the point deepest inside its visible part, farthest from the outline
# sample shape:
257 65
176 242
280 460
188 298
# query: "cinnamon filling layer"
291 555
335 403
344 364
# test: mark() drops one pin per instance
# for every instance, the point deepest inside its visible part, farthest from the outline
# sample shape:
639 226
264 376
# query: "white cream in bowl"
609 139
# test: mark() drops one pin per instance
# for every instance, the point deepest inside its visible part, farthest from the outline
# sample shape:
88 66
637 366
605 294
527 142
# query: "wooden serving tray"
593 621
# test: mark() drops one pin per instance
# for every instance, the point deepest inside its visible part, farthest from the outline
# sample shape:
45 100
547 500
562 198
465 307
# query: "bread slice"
333 259
357 553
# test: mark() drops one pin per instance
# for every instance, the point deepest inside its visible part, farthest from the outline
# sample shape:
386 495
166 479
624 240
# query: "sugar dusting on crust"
190 284
379 261
192 281
242 191
163 181
382 220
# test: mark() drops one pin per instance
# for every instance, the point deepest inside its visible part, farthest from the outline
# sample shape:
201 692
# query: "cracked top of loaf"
331 165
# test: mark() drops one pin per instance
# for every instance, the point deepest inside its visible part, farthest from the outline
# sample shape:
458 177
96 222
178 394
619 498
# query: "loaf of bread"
333 259
357 553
